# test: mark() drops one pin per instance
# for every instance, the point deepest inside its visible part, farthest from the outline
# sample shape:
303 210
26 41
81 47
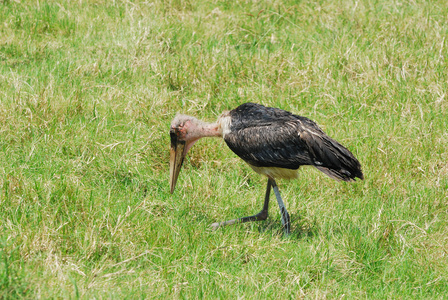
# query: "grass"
87 93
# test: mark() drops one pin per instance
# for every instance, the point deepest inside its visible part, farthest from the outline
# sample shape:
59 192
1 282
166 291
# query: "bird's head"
183 134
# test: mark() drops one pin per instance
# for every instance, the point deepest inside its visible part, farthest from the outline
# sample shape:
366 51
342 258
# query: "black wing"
270 137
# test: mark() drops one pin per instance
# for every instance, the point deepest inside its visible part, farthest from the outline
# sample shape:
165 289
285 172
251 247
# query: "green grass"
87 93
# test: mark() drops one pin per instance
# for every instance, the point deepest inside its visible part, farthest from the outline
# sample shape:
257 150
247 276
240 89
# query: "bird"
273 142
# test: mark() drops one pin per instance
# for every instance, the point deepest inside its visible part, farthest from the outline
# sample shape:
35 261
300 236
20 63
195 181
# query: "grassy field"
87 93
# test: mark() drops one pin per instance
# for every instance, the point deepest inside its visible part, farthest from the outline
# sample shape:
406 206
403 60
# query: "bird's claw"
214 226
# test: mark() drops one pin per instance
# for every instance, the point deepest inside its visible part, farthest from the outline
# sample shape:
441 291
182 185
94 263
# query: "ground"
87 93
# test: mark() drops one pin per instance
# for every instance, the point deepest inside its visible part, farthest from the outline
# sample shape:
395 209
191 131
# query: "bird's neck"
201 129
208 130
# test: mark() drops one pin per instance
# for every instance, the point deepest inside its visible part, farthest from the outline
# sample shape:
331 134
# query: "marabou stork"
274 143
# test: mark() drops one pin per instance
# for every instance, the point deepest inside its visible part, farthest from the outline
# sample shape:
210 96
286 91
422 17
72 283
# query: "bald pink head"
184 132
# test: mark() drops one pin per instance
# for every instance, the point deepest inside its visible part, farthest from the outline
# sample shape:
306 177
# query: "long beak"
177 156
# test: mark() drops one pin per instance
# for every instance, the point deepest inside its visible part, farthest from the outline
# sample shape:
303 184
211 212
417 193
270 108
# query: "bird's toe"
214 226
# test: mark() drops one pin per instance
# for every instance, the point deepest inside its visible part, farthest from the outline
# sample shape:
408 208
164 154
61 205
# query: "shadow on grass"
300 228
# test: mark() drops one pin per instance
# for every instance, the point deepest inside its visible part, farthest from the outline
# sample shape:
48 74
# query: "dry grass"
87 93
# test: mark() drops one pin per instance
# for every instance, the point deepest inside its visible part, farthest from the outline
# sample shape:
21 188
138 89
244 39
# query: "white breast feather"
224 122
276 173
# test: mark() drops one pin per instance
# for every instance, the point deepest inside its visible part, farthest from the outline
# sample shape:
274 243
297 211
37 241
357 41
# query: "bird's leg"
262 215
284 213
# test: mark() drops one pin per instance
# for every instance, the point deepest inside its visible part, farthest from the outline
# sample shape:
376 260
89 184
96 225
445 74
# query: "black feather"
271 137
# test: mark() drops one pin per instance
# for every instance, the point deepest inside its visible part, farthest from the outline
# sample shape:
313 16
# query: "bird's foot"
214 226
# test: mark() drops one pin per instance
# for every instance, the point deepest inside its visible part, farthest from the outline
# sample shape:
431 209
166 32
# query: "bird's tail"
340 174
336 160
